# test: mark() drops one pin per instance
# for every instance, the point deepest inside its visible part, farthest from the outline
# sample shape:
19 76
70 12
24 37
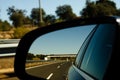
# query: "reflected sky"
66 41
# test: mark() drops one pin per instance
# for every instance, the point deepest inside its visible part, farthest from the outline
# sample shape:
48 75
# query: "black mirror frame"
27 40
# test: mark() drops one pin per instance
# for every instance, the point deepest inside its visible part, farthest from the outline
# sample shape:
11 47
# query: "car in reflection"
97 59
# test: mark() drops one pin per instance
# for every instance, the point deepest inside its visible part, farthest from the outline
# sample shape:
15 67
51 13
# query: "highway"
56 71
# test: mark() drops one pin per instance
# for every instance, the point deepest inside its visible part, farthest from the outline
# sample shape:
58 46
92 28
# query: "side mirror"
51 55
55 46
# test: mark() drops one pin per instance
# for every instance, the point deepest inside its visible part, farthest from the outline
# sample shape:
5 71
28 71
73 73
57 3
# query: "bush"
20 32
5 26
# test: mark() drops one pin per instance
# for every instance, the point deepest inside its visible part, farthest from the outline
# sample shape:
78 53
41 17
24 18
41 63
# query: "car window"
99 50
83 48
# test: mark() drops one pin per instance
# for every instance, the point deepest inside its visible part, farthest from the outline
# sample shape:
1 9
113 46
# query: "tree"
4 26
27 20
40 56
89 11
17 16
108 2
65 12
102 1
35 15
87 2
118 12
49 19
99 8
30 56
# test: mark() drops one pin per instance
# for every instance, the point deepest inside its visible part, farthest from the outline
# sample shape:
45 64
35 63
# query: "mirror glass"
51 55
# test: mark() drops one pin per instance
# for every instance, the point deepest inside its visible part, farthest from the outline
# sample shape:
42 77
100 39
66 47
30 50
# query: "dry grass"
6 62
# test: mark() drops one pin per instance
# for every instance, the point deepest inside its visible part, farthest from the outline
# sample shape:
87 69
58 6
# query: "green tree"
17 16
27 20
4 26
118 12
49 19
108 2
65 12
41 56
102 1
30 56
99 8
35 15
89 11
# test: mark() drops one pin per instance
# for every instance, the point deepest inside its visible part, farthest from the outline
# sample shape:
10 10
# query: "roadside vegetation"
22 23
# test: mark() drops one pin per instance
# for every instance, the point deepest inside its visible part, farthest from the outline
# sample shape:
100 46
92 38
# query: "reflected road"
56 71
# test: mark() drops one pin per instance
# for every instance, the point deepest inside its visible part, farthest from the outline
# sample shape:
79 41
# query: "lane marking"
58 67
33 67
49 76
39 66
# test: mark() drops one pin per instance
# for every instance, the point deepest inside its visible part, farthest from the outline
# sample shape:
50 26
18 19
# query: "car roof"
104 19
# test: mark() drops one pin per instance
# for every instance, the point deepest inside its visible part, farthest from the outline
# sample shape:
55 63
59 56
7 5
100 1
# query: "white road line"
39 66
49 76
58 67
33 67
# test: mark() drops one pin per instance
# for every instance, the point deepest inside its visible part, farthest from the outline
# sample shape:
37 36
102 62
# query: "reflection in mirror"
51 55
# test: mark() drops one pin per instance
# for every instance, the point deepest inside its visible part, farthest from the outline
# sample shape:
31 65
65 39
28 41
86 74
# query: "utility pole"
40 12
0 13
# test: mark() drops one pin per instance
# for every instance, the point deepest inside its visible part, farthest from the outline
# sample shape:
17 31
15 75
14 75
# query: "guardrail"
8 47
7 53
9 41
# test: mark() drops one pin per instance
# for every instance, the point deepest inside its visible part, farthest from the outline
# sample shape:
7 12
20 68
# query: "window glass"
99 50
80 53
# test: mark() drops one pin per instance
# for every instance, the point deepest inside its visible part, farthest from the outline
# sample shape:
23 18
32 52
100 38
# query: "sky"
48 5
66 41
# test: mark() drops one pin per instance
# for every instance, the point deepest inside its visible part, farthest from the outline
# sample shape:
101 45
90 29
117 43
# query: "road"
56 71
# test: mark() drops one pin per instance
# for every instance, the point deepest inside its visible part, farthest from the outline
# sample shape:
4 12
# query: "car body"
98 57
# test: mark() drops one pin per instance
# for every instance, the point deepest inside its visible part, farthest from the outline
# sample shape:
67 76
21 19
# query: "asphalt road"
57 71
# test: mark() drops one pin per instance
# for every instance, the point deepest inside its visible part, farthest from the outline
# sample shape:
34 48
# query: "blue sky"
48 5
67 41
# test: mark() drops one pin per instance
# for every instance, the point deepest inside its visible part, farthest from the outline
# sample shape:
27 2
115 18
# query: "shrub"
20 32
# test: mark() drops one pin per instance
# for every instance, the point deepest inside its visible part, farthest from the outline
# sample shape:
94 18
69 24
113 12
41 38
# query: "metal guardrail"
7 47
32 61
7 55
9 41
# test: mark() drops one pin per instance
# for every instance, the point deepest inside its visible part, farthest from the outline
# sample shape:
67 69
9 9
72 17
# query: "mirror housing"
27 40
